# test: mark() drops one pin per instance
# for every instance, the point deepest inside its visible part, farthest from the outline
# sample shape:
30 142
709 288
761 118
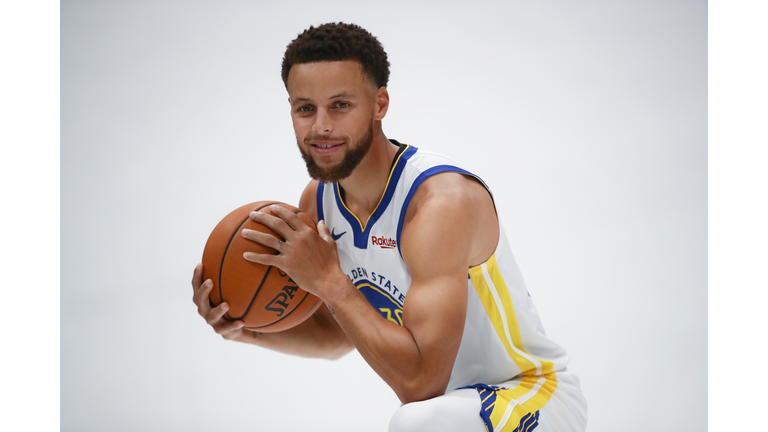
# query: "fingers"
201 298
265 239
268 260
224 327
197 277
279 226
232 330
214 316
291 218
284 223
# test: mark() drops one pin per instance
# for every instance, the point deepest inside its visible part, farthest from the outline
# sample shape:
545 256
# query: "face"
333 108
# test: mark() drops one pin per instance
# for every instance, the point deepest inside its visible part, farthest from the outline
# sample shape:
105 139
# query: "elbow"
419 390
336 354
341 349
416 396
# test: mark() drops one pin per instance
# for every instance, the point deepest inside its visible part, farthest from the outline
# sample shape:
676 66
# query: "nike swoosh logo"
335 236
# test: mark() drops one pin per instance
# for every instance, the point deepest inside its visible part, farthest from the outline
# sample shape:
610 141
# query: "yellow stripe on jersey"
546 367
502 316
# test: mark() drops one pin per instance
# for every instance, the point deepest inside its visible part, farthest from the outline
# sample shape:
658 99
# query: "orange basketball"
263 297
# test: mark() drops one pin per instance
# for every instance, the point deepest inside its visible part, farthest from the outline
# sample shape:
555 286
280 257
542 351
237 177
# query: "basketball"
263 297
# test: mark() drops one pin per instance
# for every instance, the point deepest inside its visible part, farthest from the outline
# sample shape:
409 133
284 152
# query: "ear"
382 103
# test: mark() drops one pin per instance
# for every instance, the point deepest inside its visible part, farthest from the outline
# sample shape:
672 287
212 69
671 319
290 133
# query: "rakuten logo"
384 243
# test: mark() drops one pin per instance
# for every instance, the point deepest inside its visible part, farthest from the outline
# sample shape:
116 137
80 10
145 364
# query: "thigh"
457 410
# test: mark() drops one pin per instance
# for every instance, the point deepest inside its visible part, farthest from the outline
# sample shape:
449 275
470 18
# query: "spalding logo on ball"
265 298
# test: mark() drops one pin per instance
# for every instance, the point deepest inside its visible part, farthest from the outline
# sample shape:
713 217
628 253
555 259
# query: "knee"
454 411
413 417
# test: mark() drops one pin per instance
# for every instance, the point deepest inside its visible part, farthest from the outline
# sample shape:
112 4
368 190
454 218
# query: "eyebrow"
343 94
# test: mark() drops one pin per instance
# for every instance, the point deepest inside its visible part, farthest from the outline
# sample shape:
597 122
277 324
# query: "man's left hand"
308 257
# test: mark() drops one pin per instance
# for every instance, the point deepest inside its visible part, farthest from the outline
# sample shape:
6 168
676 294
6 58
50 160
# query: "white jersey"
503 337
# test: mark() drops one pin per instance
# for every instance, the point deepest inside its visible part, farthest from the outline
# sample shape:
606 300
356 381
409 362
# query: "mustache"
317 137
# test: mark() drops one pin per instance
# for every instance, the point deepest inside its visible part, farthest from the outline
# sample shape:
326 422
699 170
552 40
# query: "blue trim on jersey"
359 234
351 219
320 189
419 180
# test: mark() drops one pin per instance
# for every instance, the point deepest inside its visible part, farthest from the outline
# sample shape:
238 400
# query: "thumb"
324 232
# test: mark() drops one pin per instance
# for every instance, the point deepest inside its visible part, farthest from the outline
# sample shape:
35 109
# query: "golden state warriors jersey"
503 337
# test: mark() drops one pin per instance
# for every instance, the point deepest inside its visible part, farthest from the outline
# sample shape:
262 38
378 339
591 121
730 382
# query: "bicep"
436 248
434 313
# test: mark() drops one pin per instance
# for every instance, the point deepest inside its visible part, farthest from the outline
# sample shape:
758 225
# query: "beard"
344 169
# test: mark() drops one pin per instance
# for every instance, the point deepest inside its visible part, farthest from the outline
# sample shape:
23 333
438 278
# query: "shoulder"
447 194
308 201
451 209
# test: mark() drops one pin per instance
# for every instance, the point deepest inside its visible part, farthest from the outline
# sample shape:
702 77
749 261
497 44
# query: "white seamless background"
587 119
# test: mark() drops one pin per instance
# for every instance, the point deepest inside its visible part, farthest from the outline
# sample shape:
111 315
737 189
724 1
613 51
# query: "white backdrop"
587 119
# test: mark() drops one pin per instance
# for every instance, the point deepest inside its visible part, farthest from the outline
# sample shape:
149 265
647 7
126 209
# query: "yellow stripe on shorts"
515 409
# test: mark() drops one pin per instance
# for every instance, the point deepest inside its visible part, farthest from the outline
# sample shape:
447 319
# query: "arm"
415 360
318 336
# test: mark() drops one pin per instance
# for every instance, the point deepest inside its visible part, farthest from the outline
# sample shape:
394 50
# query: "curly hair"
336 42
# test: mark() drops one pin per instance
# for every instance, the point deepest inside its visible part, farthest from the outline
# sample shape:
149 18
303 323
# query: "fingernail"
225 307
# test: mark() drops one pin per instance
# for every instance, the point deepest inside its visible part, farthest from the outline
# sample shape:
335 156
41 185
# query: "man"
410 260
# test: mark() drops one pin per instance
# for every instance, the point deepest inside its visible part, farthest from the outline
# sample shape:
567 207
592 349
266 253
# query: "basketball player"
411 261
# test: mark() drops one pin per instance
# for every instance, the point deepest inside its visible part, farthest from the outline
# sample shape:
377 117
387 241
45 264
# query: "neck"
364 188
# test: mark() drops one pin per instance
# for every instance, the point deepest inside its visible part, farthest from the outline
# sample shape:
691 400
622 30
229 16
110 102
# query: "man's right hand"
319 336
214 316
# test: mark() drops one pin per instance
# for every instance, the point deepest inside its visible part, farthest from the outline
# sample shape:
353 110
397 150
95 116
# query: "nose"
323 124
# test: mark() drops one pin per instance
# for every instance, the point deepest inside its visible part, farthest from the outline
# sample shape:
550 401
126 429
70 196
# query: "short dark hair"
337 42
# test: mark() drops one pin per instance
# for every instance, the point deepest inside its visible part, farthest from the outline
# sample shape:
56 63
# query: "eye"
305 108
342 104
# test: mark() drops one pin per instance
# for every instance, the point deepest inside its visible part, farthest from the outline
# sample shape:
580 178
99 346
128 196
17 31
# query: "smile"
324 148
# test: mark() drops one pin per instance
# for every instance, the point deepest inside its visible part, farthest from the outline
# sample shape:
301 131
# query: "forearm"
317 337
390 349
415 359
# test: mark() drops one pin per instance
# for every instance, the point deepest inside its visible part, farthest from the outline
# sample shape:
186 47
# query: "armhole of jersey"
320 189
419 180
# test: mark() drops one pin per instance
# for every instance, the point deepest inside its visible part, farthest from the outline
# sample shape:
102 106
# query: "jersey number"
397 319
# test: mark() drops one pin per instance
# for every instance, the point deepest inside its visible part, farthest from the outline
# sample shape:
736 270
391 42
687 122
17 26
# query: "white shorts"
544 404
